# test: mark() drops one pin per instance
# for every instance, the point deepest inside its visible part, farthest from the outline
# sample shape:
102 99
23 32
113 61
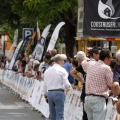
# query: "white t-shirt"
42 68
7 65
33 72
26 68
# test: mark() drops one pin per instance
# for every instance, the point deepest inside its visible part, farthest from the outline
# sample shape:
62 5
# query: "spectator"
69 60
53 52
94 53
68 67
55 82
42 68
116 76
98 81
23 65
36 69
113 65
48 58
30 72
81 57
21 57
94 57
88 51
17 66
7 63
35 62
74 65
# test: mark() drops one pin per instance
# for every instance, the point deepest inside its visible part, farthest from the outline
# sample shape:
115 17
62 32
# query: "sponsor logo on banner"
38 51
107 10
54 36
104 18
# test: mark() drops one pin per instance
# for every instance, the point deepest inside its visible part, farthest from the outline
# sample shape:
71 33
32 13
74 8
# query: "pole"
4 48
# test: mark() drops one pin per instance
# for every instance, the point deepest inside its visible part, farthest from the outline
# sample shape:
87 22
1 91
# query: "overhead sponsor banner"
15 55
38 51
102 18
54 37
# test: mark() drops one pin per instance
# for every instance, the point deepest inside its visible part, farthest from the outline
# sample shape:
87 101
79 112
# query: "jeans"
95 107
56 101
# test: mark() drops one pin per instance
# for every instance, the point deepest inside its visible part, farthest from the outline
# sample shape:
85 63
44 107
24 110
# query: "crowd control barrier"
30 90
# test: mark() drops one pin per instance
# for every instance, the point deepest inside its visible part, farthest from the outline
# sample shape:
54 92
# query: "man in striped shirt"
98 81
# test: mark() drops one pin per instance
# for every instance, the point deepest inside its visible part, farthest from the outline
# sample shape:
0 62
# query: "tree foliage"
25 13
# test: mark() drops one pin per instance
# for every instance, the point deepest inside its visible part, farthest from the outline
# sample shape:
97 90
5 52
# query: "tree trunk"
70 39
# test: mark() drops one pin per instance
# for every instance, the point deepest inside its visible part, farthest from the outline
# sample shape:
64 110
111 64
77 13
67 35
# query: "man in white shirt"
55 82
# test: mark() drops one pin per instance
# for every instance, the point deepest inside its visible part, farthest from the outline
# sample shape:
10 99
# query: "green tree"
25 13
54 11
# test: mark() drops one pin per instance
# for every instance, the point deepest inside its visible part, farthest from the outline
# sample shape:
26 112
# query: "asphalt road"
12 108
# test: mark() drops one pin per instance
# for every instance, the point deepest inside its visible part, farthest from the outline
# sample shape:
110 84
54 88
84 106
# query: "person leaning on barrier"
116 80
74 65
55 83
42 68
99 80
23 65
94 56
48 58
81 57
68 67
36 69
30 72
116 75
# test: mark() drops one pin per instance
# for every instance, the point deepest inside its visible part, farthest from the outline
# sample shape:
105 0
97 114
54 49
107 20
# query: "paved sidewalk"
12 108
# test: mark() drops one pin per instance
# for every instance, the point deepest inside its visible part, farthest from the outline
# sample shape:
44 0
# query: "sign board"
27 33
101 18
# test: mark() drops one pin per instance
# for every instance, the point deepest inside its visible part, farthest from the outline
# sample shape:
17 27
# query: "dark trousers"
83 99
84 114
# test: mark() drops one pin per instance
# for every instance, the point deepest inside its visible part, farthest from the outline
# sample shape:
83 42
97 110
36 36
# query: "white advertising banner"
54 36
13 45
38 51
15 55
